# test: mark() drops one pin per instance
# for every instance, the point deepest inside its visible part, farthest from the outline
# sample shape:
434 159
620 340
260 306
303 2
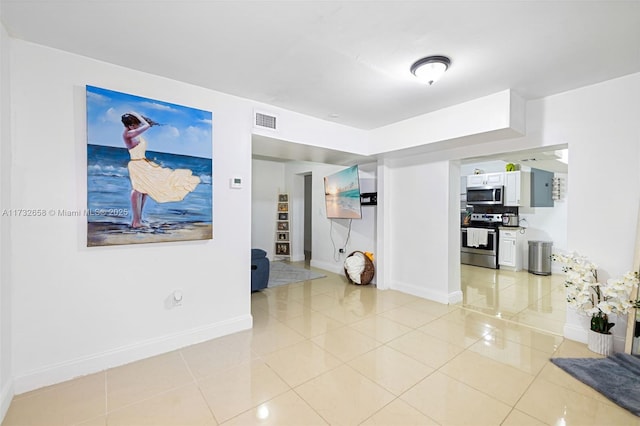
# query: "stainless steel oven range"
479 240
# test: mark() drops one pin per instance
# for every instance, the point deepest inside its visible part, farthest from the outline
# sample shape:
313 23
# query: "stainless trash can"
540 257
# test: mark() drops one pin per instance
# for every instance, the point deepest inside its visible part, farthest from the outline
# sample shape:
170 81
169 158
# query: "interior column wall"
6 382
419 215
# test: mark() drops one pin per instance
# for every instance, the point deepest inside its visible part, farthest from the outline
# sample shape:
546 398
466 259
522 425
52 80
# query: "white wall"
600 124
419 241
76 309
308 225
6 382
491 117
267 181
454 290
295 127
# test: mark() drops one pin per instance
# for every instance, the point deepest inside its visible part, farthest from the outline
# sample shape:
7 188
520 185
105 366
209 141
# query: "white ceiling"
347 61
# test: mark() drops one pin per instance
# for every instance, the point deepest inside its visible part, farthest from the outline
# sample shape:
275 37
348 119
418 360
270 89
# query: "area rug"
282 273
616 377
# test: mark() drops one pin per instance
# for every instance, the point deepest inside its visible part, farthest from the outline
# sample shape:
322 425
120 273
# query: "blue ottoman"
259 269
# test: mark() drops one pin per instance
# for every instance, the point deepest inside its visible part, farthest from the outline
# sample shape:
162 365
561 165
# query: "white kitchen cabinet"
495 179
510 248
475 180
517 188
486 179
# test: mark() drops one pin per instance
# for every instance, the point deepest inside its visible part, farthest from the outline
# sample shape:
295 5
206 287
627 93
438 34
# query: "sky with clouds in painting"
184 130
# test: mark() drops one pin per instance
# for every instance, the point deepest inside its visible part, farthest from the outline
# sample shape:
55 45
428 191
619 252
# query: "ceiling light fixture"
431 68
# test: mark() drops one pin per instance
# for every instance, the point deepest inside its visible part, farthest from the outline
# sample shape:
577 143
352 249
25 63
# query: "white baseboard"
6 396
579 334
436 296
71 369
455 297
336 268
575 332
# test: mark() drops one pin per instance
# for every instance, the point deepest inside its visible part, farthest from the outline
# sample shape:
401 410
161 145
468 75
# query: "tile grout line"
200 391
106 395
467 348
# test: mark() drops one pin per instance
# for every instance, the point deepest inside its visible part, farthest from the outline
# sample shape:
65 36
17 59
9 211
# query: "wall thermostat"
236 183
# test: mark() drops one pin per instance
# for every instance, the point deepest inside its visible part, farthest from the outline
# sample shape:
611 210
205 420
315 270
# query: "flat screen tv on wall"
342 194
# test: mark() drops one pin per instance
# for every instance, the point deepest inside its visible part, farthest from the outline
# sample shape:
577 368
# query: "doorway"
515 294
308 192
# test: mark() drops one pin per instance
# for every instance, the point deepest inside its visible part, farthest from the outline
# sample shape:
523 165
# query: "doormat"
281 273
617 377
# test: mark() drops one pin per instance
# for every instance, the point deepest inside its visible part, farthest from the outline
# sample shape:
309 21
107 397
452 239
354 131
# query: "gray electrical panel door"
541 188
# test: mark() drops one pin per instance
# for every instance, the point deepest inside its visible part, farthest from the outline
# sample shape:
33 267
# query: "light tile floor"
521 297
328 352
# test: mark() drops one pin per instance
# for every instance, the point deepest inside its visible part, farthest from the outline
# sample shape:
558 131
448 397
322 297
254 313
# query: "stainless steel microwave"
485 195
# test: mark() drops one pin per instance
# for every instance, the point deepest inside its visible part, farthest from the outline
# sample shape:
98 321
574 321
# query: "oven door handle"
490 231
485 249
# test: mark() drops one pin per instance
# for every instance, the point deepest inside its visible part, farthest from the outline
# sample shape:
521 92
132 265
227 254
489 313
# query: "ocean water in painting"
344 205
342 194
109 188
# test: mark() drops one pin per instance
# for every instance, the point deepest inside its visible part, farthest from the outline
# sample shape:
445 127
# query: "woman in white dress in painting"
148 178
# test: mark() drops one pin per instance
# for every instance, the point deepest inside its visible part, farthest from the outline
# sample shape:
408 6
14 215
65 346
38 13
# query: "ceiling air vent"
265 121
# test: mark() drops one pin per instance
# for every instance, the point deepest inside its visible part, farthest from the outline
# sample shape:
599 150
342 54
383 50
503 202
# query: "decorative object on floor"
616 377
632 341
600 343
358 267
284 273
259 269
599 300
171 178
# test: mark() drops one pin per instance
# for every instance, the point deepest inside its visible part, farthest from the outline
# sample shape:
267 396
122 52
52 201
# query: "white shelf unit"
283 228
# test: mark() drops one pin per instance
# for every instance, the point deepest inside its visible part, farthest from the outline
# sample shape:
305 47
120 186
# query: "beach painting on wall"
149 170
342 194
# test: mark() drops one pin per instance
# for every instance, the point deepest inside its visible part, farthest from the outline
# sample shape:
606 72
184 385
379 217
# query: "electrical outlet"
174 299
177 298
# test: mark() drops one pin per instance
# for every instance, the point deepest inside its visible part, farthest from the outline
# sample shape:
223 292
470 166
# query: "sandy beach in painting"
343 206
111 234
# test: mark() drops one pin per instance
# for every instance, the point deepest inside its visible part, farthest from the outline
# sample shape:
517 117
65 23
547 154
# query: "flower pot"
600 343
